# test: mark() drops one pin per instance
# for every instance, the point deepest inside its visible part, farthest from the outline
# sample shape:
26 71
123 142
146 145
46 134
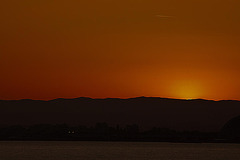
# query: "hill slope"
202 115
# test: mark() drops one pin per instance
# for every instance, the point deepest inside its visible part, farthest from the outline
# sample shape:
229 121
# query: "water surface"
117 151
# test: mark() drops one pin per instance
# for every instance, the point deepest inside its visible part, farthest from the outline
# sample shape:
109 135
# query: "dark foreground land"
153 119
104 132
147 112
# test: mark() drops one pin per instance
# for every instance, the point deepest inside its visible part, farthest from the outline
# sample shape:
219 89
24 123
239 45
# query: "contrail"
163 16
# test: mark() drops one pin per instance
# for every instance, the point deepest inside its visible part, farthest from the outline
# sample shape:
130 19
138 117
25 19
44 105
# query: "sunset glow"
177 49
187 90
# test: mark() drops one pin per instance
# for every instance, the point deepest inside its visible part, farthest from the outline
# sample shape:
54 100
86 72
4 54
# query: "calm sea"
117 151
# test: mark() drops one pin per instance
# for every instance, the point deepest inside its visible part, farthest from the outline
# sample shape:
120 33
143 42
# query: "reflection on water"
117 151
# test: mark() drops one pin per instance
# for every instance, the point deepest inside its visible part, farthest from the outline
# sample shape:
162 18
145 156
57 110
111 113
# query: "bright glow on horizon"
186 90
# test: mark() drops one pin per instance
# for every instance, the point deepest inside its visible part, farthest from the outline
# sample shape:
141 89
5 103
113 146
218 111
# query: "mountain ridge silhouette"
179 114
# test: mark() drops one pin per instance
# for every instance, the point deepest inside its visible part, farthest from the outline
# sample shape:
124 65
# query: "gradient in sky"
120 48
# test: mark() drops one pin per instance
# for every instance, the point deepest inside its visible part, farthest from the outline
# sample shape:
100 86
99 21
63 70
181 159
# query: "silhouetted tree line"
104 132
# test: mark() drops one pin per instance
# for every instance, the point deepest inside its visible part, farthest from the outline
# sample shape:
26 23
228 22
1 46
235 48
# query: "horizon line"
171 98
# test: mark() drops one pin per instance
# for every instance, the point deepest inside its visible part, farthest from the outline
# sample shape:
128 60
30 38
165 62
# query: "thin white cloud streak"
163 16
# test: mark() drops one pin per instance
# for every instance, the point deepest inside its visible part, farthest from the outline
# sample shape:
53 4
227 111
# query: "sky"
120 48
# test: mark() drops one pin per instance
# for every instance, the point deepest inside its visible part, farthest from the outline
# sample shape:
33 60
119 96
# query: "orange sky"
127 48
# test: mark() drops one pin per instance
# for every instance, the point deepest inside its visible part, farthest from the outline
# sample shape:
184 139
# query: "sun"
187 90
